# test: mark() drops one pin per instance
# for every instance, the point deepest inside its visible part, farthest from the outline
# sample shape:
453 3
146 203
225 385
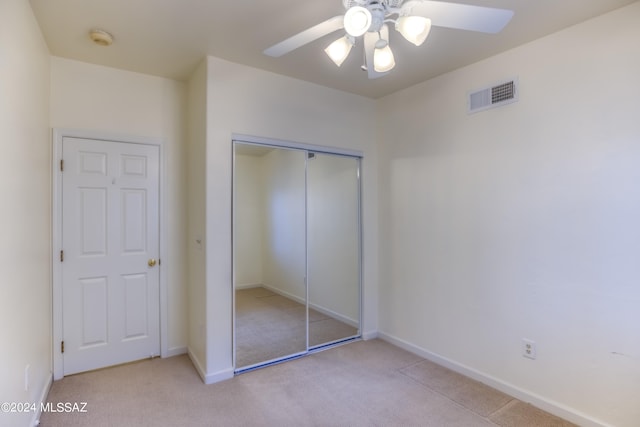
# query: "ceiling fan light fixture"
414 28
383 59
371 19
357 21
339 49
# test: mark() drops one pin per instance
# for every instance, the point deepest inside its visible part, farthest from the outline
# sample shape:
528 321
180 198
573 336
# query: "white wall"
522 222
244 100
196 234
97 98
25 194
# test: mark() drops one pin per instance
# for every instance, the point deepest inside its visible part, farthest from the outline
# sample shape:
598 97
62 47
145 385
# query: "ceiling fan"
371 18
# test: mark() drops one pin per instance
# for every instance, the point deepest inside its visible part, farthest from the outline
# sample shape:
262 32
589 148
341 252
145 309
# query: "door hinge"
61 346
61 165
61 256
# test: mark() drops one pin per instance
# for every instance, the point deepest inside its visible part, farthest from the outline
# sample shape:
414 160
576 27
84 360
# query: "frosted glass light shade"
414 28
383 60
339 49
357 21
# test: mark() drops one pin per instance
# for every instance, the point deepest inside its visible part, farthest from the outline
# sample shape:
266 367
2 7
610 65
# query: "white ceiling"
170 37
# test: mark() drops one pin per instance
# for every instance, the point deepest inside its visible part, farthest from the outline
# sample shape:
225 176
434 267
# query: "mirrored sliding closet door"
296 240
269 253
333 245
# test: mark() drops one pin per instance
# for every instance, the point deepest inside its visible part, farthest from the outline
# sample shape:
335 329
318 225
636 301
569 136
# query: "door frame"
58 134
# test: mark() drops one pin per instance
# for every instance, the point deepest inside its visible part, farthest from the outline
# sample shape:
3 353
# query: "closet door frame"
308 148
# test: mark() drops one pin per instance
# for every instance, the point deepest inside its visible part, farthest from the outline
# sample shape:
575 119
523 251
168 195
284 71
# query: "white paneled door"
110 241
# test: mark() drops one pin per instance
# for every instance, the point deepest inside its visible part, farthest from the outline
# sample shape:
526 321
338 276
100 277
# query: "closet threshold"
313 350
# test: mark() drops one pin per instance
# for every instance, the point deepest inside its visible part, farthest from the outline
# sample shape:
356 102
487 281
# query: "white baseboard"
339 317
216 377
249 286
285 294
176 351
209 378
370 335
35 419
196 364
538 401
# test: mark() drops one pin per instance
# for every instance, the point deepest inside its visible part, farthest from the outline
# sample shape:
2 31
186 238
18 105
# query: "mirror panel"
269 254
333 245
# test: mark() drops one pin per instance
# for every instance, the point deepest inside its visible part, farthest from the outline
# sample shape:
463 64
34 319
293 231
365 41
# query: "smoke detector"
101 37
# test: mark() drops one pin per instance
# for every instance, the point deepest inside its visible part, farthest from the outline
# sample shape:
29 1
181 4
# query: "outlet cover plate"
529 349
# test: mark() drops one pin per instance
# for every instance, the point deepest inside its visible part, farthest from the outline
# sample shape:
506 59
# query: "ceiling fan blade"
370 40
460 16
306 36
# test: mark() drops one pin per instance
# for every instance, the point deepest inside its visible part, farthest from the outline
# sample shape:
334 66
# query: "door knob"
151 262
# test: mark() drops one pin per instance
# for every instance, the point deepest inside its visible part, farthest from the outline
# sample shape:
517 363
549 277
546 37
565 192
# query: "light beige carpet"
364 383
270 326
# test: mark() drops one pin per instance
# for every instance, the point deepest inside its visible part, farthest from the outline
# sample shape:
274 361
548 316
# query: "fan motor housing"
377 16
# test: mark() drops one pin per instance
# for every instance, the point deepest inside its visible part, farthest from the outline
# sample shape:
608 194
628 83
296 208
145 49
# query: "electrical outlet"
529 349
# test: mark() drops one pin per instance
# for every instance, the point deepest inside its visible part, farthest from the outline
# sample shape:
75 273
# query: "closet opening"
297 251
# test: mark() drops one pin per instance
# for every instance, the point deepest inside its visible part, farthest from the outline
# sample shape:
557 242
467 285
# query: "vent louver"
494 96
